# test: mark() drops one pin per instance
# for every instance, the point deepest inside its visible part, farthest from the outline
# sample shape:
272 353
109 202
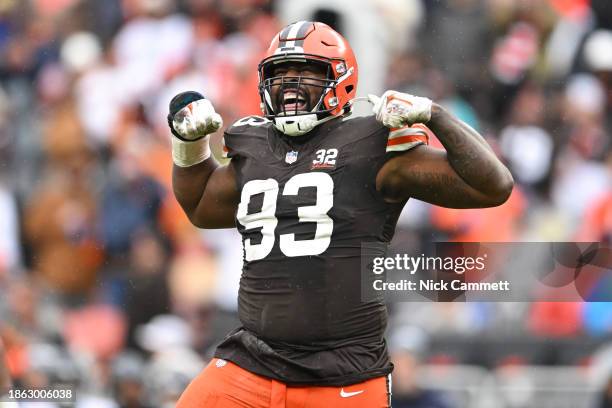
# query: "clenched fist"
192 117
396 109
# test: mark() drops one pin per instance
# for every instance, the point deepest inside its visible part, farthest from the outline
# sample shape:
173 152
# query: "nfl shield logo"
291 157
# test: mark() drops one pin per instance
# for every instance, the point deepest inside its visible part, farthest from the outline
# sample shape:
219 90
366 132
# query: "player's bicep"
219 201
424 173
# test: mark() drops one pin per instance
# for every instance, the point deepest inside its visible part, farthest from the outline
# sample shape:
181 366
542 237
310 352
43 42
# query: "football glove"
192 117
396 109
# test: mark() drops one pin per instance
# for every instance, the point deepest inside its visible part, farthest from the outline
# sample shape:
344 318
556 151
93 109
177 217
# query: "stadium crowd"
104 284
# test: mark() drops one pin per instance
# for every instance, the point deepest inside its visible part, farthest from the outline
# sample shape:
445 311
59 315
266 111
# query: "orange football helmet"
311 43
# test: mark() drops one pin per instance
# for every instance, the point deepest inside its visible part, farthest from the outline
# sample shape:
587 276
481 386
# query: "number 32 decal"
267 221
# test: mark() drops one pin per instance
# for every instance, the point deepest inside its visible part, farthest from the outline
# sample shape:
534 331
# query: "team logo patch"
291 157
221 363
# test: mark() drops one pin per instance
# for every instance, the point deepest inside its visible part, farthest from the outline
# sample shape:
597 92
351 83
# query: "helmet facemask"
296 104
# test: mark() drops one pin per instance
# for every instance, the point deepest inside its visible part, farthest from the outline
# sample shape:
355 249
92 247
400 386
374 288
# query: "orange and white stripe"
224 149
405 138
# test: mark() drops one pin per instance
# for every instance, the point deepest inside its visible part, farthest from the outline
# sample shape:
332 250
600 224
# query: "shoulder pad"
364 124
248 122
240 134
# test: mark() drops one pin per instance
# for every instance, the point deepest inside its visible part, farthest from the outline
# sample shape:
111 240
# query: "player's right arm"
205 190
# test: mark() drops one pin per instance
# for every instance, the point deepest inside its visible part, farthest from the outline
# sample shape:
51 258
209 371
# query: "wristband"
186 154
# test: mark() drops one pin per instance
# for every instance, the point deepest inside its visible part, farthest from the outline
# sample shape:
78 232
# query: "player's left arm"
466 175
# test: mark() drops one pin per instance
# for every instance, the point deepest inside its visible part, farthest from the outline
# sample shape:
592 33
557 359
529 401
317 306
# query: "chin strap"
298 125
302 124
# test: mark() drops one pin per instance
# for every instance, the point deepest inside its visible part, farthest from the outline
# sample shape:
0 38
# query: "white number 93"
267 221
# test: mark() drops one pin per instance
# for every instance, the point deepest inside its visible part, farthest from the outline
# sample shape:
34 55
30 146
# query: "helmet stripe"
302 33
291 32
283 35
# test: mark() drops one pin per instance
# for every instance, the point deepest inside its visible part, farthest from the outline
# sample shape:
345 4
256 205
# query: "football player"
306 186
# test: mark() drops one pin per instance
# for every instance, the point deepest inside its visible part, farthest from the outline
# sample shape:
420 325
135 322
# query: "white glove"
197 120
192 124
396 109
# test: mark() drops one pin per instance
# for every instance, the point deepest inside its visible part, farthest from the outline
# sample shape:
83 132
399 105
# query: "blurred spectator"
227 246
79 324
100 89
584 108
595 56
61 214
10 249
60 223
457 39
407 73
444 319
515 53
526 145
597 225
173 363
128 383
563 44
104 19
408 346
30 312
130 202
5 378
579 183
47 364
191 282
497 224
80 52
555 319
168 37
145 294
606 396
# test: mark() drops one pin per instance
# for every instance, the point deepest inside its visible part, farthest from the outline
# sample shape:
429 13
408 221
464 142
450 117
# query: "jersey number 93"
267 221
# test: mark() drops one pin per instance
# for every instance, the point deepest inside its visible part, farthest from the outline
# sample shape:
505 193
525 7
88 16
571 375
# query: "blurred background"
105 285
